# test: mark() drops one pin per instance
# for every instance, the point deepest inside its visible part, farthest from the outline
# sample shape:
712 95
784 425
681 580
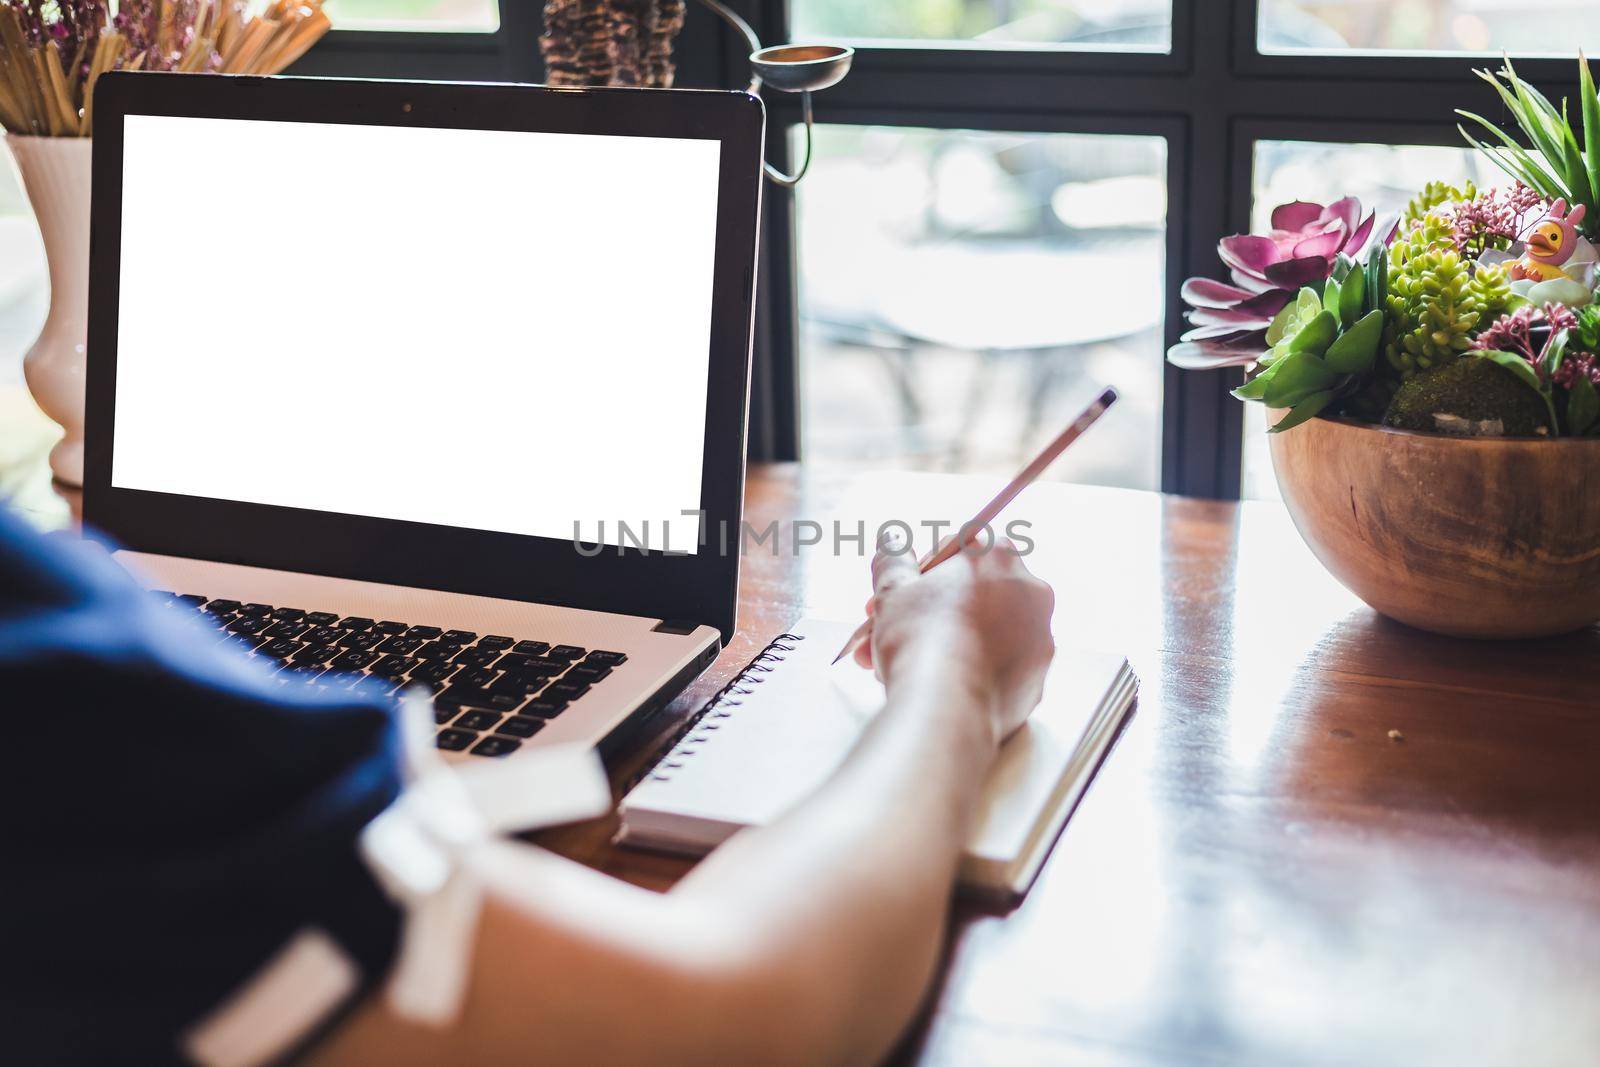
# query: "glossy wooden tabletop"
1260 874
1323 838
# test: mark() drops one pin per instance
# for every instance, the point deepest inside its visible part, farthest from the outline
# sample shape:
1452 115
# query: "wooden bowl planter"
1471 537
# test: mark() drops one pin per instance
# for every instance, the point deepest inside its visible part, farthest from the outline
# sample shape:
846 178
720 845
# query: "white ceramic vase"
55 172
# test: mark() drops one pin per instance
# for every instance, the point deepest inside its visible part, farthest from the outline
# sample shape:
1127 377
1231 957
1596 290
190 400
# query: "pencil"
991 511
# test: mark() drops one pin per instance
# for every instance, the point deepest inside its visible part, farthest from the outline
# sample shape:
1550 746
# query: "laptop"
434 385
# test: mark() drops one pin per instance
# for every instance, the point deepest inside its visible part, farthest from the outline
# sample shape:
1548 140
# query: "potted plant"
1433 379
51 54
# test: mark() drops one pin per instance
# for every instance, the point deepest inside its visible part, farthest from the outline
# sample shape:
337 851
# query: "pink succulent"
1230 321
1514 333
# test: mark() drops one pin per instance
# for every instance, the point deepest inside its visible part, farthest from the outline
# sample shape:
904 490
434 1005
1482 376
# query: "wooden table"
1323 839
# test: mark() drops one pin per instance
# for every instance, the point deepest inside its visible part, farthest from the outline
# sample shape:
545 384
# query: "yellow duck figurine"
1550 243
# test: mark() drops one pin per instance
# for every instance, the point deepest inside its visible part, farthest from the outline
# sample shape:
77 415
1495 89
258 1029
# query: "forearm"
851 889
807 941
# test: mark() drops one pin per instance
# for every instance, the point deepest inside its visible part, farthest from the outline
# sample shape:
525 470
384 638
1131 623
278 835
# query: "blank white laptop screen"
484 329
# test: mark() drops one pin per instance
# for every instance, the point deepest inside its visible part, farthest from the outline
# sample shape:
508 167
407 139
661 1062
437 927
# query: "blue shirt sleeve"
173 816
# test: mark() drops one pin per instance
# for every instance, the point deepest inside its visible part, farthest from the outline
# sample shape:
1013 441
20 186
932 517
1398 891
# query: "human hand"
980 621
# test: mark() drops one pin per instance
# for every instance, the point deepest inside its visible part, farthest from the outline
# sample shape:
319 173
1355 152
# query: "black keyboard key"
564 691
355 622
400 646
285 629
476 676
444 715
248 642
360 640
280 648
437 650
530 665
458 637
321 618
476 657
543 708
315 654
247 626
256 611
454 740
524 684
194 600
566 652
477 720
223 607
585 674
496 642
393 666
610 659
520 726
323 635
288 615
390 627
427 633
511 661
530 648
433 671
496 746
223 621
354 660
476 697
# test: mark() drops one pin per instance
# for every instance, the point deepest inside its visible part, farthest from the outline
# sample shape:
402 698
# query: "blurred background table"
1262 873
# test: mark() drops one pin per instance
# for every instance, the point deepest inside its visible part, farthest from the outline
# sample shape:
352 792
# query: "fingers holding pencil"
892 565
991 511
979 626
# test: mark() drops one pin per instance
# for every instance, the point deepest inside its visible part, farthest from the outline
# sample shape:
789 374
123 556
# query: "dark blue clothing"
173 818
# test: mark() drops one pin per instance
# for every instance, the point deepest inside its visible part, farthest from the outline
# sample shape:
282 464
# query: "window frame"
1215 87
509 53
1211 96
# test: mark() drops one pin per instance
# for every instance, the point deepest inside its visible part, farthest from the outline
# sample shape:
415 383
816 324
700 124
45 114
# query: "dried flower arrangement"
1482 305
610 42
53 51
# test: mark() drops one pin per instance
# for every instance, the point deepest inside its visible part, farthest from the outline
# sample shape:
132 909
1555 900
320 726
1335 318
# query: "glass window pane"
471 15
1117 24
963 294
1384 177
1522 27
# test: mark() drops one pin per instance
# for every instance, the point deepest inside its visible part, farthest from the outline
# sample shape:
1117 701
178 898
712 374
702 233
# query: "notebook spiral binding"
729 696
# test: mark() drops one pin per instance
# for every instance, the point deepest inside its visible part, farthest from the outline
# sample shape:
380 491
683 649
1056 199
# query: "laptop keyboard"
490 693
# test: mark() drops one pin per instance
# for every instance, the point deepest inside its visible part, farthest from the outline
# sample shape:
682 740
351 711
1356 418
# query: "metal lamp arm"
745 30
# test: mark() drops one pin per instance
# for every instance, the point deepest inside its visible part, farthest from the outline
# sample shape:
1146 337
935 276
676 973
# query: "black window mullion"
1203 427
521 23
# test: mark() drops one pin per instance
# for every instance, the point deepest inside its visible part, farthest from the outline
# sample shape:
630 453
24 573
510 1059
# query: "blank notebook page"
792 719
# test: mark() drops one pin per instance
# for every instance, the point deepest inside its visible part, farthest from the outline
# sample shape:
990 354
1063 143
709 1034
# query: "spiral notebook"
777 731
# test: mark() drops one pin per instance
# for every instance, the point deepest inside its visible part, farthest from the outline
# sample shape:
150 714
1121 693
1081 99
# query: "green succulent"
1323 346
1436 300
1554 163
1429 232
1433 195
